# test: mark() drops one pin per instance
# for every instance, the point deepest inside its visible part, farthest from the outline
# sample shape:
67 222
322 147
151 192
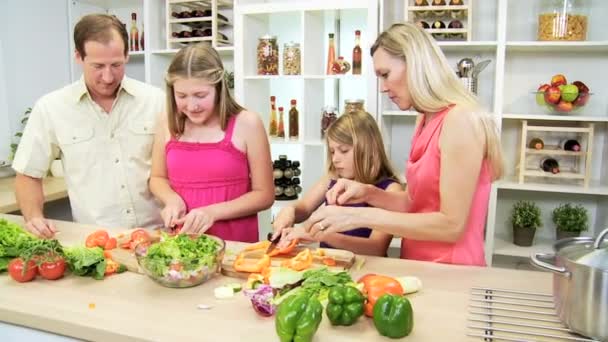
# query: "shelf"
595 188
192 22
114 3
437 8
457 46
308 77
564 175
504 247
136 53
201 3
333 77
559 129
222 50
410 113
555 117
555 152
538 46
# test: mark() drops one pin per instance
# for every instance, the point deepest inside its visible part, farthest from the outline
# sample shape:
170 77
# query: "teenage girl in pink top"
455 156
211 165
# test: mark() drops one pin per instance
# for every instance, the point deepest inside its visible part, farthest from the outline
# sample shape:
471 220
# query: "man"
102 127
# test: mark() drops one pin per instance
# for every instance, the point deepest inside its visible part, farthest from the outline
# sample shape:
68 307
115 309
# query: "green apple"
569 92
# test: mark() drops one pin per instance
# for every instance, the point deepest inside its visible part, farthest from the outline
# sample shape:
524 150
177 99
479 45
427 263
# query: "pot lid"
586 250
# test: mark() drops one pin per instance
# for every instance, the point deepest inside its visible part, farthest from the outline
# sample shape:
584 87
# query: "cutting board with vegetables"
337 259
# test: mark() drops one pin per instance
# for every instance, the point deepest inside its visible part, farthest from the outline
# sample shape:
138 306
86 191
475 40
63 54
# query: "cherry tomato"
52 268
98 238
17 272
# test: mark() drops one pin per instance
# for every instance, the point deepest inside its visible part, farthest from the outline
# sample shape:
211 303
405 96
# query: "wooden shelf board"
548 117
558 129
586 46
502 246
595 187
565 175
436 8
555 151
136 53
468 45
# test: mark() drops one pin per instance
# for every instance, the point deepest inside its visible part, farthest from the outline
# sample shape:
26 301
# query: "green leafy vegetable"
85 261
13 239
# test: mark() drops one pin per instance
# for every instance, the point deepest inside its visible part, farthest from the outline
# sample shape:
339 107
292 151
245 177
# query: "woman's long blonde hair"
199 61
359 130
433 85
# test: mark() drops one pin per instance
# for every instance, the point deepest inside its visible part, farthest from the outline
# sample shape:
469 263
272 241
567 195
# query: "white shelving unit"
505 31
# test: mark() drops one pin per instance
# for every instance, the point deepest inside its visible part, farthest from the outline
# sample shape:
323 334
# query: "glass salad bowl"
182 260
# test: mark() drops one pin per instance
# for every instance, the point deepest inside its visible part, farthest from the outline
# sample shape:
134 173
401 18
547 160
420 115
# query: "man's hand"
41 227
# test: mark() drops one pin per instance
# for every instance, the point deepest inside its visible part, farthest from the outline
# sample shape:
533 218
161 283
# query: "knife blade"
273 243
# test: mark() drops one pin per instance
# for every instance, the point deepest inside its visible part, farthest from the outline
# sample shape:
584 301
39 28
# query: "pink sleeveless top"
423 169
209 173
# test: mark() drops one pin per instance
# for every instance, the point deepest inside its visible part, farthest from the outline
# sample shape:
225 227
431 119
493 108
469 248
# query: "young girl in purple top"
354 151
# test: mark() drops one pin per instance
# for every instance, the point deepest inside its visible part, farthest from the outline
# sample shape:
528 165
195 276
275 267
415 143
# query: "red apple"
582 87
552 95
564 106
540 94
581 100
558 80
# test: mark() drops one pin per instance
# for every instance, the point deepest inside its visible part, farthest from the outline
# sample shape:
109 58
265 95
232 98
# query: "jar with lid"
352 105
268 55
563 20
327 118
291 59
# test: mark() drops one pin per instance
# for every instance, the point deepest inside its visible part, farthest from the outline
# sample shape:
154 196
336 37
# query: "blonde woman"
355 152
454 158
211 165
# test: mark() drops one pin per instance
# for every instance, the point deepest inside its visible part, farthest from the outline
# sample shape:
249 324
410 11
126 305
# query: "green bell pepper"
393 316
298 318
345 305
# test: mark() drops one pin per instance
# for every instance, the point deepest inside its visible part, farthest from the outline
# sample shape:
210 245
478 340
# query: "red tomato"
111 244
98 238
52 268
140 235
17 272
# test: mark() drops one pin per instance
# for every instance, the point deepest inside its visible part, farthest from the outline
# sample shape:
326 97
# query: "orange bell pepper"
113 267
374 286
285 250
98 238
256 246
301 261
329 261
243 265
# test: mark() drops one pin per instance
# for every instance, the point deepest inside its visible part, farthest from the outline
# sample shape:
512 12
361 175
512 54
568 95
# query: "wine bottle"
536 143
549 165
571 145
182 34
142 40
134 33
293 122
357 54
421 3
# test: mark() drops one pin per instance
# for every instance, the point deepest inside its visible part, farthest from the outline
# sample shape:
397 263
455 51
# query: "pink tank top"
209 173
423 169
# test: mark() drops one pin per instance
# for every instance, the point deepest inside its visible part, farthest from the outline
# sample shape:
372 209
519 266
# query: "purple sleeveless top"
359 232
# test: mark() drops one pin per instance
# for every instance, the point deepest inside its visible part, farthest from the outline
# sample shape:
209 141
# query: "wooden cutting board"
344 259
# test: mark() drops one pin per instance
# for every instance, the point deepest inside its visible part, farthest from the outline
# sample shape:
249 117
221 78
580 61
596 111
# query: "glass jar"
291 59
562 20
352 105
327 118
268 55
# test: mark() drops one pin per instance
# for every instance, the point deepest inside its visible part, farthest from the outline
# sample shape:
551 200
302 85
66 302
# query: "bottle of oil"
357 54
134 33
272 129
293 121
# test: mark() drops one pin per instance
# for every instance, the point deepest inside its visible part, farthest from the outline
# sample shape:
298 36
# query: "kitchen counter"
54 189
131 306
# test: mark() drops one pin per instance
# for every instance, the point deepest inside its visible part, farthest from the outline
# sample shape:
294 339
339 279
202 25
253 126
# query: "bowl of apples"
561 97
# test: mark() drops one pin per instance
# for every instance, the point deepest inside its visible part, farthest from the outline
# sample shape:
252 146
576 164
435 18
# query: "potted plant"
525 218
570 220
18 135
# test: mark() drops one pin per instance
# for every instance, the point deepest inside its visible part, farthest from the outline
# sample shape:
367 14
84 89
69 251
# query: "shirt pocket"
140 140
76 148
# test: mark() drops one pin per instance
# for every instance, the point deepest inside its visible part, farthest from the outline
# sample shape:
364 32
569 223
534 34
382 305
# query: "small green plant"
19 134
526 214
229 75
571 218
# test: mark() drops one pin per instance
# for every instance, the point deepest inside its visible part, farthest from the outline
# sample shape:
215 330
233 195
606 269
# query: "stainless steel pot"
580 283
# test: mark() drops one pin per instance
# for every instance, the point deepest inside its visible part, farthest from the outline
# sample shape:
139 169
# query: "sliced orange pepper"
329 261
256 246
285 250
111 267
110 244
301 261
375 286
98 238
255 266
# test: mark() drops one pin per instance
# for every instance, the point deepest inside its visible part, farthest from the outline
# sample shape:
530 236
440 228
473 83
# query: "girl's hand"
299 233
347 191
330 219
173 211
197 221
285 219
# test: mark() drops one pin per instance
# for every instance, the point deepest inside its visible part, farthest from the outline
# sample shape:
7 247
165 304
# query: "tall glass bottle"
357 54
134 33
272 129
293 121
281 128
331 54
141 40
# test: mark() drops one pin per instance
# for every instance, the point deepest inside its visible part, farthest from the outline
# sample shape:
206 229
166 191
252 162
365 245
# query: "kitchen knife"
273 243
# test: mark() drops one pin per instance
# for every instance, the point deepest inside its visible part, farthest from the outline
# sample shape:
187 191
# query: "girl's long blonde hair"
359 130
200 61
433 85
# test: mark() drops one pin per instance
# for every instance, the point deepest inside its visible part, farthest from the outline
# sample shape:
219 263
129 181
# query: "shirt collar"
127 85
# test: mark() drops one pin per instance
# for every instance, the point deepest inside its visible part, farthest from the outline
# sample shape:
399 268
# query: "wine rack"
575 166
448 21
191 21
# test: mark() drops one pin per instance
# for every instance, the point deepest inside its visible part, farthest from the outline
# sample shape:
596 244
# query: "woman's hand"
299 233
197 221
347 191
173 211
330 219
285 219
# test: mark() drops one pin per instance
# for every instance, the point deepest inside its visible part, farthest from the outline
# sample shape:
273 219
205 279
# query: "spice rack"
454 19
573 159
202 23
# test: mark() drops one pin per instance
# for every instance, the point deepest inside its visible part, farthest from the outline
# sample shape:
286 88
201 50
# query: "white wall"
34 58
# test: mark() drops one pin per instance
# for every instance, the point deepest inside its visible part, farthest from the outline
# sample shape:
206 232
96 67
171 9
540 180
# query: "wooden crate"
212 22
446 14
578 159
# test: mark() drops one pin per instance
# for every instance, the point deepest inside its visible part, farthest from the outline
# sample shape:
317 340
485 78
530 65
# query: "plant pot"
564 234
57 168
523 236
